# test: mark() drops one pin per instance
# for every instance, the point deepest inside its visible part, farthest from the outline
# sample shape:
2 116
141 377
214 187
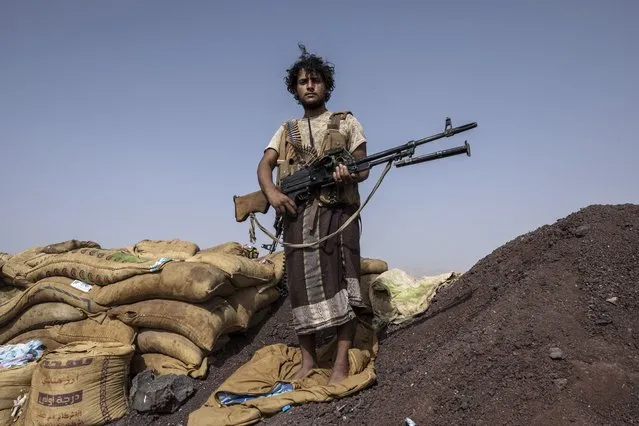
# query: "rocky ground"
542 331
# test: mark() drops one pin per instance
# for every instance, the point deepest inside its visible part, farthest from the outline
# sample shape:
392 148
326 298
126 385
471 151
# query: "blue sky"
126 120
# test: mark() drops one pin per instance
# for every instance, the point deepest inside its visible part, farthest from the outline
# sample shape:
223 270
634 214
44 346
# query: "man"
323 279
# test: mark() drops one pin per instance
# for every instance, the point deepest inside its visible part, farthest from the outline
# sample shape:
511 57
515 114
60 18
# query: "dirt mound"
541 331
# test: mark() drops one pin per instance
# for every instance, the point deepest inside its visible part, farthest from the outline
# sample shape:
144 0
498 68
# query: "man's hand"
280 202
342 175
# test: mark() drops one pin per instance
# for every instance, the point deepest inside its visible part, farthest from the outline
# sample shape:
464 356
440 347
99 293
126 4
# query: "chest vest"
293 155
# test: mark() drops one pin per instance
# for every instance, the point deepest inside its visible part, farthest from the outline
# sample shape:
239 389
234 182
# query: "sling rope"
254 220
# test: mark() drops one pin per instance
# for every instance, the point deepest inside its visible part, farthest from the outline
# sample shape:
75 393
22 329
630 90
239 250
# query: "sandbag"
396 296
161 364
235 248
365 282
41 334
80 383
17 267
276 259
39 316
54 289
8 292
103 329
95 266
5 417
15 381
3 258
173 249
186 281
200 323
65 246
372 266
170 344
243 272
247 301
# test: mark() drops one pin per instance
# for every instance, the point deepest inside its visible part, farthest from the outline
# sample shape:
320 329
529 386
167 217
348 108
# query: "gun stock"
255 202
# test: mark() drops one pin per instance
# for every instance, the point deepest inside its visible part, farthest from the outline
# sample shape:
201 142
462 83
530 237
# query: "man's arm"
280 202
341 173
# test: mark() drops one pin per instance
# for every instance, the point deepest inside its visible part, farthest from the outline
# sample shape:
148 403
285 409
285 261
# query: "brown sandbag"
15 268
80 383
173 249
95 330
54 289
95 266
39 316
42 334
69 245
109 330
15 381
186 281
243 272
247 301
161 364
170 344
277 261
4 257
5 417
230 247
372 266
365 282
8 292
235 248
200 323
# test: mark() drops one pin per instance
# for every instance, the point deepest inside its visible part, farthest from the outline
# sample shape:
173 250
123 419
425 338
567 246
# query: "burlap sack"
95 330
200 323
15 381
186 281
95 266
173 249
365 288
161 364
39 316
243 272
247 301
8 292
52 337
233 248
69 245
54 289
230 247
277 261
17 267
41 334
3 258
5 417
372 266
170 344
82 383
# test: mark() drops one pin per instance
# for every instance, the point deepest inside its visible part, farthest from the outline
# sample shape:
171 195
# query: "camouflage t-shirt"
350 128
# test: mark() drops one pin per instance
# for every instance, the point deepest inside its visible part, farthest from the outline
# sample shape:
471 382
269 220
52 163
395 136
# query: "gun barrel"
463 149
384 156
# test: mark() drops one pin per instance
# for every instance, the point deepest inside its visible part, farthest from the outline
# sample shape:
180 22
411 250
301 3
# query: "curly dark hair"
310 63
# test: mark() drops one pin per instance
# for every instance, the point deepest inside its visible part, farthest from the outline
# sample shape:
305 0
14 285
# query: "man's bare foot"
339 373
303 371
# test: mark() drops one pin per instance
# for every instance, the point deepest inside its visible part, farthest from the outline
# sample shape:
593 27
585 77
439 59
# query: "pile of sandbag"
176 304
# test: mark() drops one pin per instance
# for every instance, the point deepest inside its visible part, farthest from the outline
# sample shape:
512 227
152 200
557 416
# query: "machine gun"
305 182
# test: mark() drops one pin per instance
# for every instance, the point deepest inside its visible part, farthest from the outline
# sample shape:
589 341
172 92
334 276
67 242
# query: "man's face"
311 90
